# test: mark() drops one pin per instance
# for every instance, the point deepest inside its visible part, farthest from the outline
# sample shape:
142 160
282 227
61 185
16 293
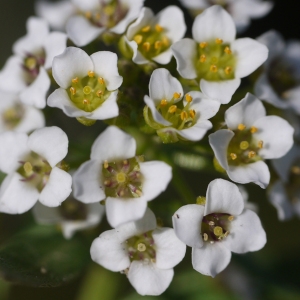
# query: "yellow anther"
233 156
241 127
218 231
146 46
138 38
219 41
176 95
227 50
99 93
192 113
141 247
146 29
27 168
183 115
91 74
201 200
163 102
121 177
205 237
139 193
228 70
88 14
260 144
211 223
72 91
172 109
165 41
109 10
75 80
251 154
158 28
85 101
230 218
213 68
125 162
244 145
87 90
203 45
97 16
101 80
202 58
226 234
188 98
253 129
157 45
105 164
122 193
107 182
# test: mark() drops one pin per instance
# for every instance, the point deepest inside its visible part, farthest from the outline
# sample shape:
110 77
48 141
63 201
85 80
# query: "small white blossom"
34 169
250 138
146 253
215 57
115 174
220 227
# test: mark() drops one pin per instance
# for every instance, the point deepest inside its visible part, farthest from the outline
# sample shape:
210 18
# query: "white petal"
13 149
105 65
157 176
257 172
211 259
137 56
57 188
214 23
87 183
246 112
35 93
220 91
187 224
195 4
185 53
246 233
219 142
81 32
276 134
169 249
163 58
254 8
109 251
49 142
16 196
149 280
250 54
113 144
72 63
292 99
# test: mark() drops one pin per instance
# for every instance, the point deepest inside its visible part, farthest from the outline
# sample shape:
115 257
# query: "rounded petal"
196 132
72 63
187 224
246 111
109 251
57 188
276 134
246 233
250 54
257 172
105 65
223 196
120 144
214 23
211 259
163 58
17 196
147 279
87 183
137 56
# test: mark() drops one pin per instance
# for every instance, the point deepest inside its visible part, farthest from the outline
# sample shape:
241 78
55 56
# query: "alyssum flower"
214 57
115 174
250 138
144 252
218 228
173 115
34 168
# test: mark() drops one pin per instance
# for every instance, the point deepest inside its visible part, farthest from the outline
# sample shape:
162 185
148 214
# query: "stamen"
205 237
203 45
260 144
218 231
211 223
99 93
295 170
176 95
253 129
158 28
172 109
244 145
138 38
105 164
107 182
227 50
157 45
230 218
226 234
219 41
28 168
163 102
183 115
87 90
188 98
233 156
241 127
73 90
146 46
88 14
251 154
146 29
138 192
75 80
228 70
91 74
192 113
141 247
165 41
101 80
85 101
213 68
202 58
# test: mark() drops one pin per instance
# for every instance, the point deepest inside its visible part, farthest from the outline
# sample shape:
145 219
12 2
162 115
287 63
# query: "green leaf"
41 257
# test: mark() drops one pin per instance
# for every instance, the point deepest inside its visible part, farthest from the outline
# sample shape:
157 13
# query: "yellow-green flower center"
73 210
32 63
13 116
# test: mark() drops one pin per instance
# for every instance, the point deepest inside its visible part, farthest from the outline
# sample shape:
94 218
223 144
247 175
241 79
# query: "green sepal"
125 50
167 136
85 121
149 119
217 166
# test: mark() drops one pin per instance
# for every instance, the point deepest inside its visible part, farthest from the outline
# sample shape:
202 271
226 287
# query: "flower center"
141 247
32 63
243 148
152 40
89 92
73 210
215 61
215 227
13 116
123 178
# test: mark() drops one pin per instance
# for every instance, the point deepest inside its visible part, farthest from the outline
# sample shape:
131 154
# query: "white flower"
279 84
145 253
250 138
88 84
175 116
34 170
242 11
150 37
96 17
220 227
16 116
115 174
26 71
214 57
